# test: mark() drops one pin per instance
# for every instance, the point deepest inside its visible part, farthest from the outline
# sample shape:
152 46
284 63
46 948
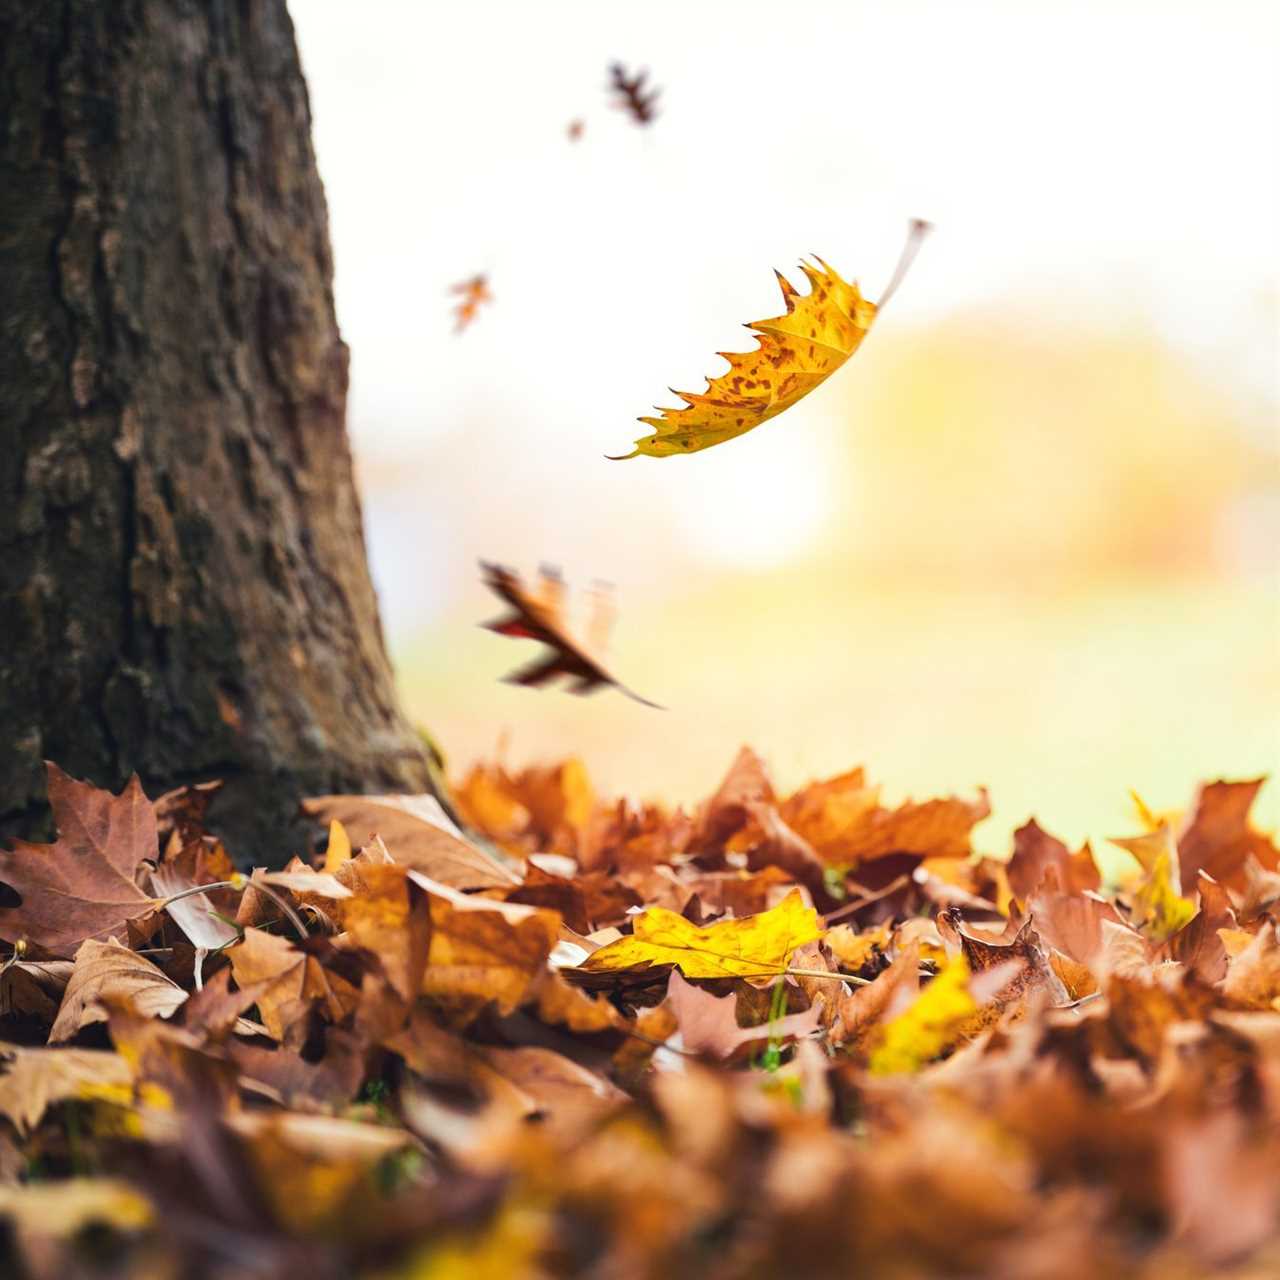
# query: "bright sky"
1092 167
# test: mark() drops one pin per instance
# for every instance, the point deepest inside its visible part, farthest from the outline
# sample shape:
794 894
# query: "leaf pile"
806 1034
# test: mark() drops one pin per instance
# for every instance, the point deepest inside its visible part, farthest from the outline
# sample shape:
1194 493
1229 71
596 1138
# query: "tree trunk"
182 564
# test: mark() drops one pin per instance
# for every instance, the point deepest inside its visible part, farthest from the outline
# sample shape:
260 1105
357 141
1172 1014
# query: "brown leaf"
418 834
1037 855
388 914
33 987
709 1024
1253 977
1036 973
859 1013
83 885
1219 838
106 973
532 619
293 981
481 950
633 96
745 786
35 1079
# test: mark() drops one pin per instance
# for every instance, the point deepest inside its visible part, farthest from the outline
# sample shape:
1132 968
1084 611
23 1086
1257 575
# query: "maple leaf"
632 95
1219 837
84 885
759 946
1038 856
473 292
109 972
796 352
1162 911
535 617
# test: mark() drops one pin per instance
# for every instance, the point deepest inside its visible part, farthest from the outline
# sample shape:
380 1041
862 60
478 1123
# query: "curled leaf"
797 352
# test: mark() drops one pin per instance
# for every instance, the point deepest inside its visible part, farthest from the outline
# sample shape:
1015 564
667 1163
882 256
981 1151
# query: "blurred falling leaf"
540 616
632 95
473 292
797 352
756 947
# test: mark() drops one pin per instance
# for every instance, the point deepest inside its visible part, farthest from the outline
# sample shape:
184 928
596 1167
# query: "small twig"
241 883
851 908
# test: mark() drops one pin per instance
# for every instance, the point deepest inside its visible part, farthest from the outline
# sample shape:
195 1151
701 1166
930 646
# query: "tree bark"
182 564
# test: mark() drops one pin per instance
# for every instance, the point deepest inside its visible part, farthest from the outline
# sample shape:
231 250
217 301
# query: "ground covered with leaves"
778 1036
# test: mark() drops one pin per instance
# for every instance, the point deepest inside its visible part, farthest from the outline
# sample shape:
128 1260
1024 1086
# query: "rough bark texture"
182 565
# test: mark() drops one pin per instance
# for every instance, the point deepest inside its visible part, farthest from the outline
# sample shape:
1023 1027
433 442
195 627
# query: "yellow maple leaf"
934 1021
797 352
753 947
1160 909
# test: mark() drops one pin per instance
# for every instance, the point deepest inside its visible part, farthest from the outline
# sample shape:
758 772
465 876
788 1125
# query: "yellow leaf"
931 1024
1161 909
339 850
797 352
755 946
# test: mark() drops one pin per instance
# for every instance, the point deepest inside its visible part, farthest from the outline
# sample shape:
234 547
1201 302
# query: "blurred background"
1029 537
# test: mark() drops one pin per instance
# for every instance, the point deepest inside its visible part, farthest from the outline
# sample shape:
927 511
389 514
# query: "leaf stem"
826 973
916 232
242 883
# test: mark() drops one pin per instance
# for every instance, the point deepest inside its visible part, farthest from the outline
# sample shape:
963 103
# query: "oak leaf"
758 946
632 96
797 352
539 616
84 885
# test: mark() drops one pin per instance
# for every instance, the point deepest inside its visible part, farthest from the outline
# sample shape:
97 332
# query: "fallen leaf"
36 1079
929 1026
796 352
481 950
1037 855
757 946
709 1024
293 981
417 833
106 972
84 884
62 1209
1219 838
1253 976
32 987
1161 910
195 915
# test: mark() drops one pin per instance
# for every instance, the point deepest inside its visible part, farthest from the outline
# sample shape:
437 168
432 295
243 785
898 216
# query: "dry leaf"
632 96
758 946
709 1024
796 352
83 885
532 618
35 1079
474 293
417 833
106 973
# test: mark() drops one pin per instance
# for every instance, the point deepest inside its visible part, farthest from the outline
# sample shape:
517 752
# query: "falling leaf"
631 94
473 292
108 972
575 130
84 884
796 352
758 946
532 618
